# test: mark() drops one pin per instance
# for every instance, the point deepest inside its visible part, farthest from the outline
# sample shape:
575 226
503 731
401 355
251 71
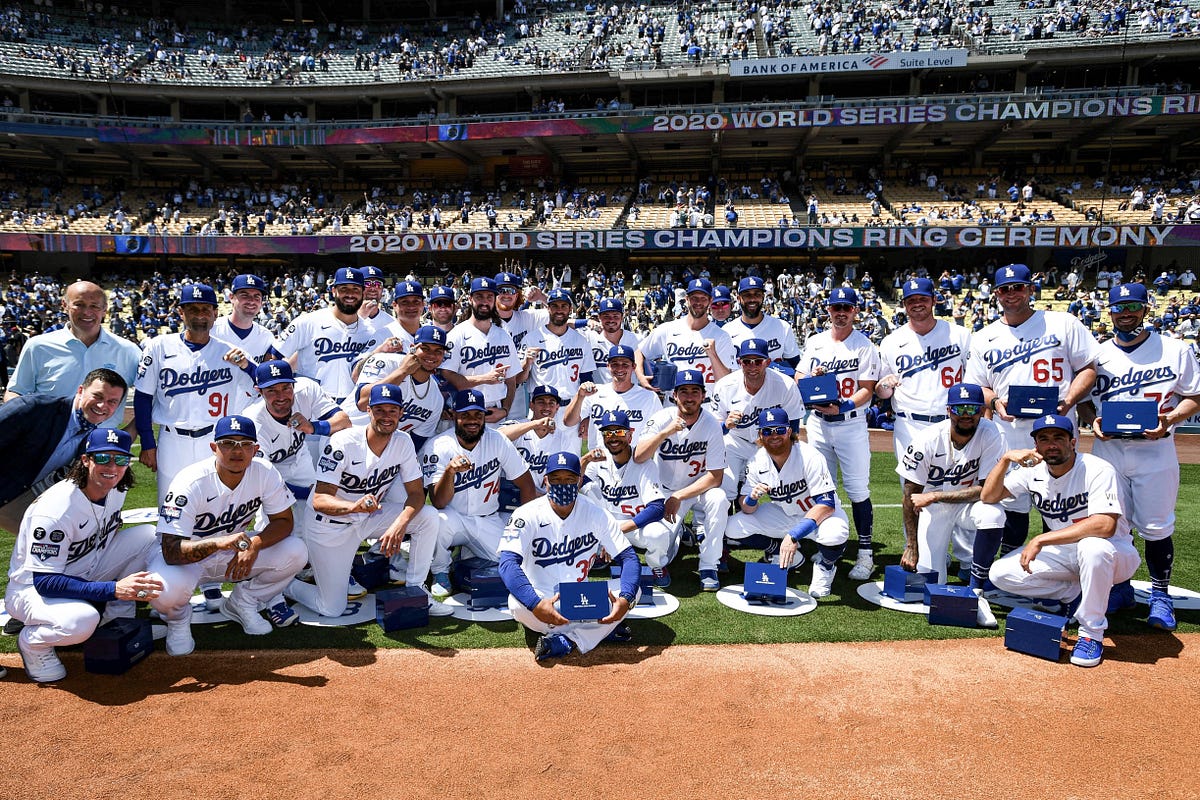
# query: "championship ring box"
584 600
645 583
460 571
1128 419
117 645
1034 632
952 605
370 570
818 390
486 588
765 583
662 375
907 587
402 608
1028 402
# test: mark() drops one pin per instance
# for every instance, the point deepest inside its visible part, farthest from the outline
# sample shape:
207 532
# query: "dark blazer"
31 426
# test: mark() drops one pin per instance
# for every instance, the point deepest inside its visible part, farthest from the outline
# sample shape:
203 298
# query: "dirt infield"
931 720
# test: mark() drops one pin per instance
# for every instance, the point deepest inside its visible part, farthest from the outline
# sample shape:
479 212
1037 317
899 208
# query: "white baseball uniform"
422 403
639 405
779 336
741 442
562 360
326 348
283 445
518 326
474 352
928 365
255 342
601 346
623 491
933 461
1087 569
675 341
553 551
537 449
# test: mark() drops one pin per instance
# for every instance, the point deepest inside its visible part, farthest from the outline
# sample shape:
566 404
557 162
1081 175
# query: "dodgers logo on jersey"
835 366
233 518
683 451
536 461
909 365
478 356
379 478
790 492
1132 383
690 353
328 350
474 477
634 414
198 381
567 551
955 475
566 355
1059 507
1020 353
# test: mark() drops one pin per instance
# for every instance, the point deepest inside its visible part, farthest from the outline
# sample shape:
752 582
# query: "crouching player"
804 504
555 539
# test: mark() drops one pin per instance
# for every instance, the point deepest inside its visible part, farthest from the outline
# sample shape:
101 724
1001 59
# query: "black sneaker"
13 626
620 634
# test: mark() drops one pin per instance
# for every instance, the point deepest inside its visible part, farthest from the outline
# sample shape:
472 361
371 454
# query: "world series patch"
44 551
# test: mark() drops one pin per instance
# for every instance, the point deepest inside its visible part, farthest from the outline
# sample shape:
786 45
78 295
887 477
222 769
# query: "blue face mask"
1129 336
562 494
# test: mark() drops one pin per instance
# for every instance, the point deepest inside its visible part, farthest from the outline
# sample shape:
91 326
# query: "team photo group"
499 423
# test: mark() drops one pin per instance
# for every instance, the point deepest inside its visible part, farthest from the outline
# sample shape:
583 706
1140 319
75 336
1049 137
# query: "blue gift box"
584 600
370 570
486 588
645 583
765 582
819 390
1034 632
401 608
460 572
117 645
952 605
907 587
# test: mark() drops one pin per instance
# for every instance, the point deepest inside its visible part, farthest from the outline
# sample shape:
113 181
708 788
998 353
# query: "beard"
347 306
481 313
467 437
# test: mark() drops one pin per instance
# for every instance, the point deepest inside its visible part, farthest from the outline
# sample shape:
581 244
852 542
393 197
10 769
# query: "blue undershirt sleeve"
68 587
653 512
143 410
631 570
516 581
825 499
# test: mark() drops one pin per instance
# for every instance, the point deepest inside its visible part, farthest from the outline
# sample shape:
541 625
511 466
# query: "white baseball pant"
1148 479
659 539
481 534
710 511
772 521
845 444
938 522
176 451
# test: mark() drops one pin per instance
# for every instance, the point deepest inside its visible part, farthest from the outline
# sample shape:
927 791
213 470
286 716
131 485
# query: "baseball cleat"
552 645
41 662
984 617
179 635
709 582
355 590
212 597
251 621
620 634
822 579
864 565
1121 597
441 587
1087 652
282 615
13 626
1162 611
662 578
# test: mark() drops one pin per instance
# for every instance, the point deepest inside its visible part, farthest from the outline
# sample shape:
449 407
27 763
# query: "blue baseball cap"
1128 293
563 460
545 390
442 293
772 418
721 295
483 285
430 334
968 394
371 273
1053 421
250 282
508 279
408 289
916 287
197 293
620 351
270 373
347 276
700 285
1013 273
233 425
613 419
746 284
754 348
385 394
108 440
611 304
842 294
560 295
689 377
468 400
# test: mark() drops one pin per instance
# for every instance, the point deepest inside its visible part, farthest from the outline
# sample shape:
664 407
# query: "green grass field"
842 617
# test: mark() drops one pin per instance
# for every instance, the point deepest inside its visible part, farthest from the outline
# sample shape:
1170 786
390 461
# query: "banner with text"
856 62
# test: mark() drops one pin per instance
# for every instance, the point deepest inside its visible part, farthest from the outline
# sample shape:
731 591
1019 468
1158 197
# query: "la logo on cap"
562 459
1124 291
1049 420
196 291
963 392
1008 272
912 285
770 417
275 370
234 425
384 391
112 436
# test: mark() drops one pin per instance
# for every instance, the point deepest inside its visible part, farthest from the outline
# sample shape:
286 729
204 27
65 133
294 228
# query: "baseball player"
209 508
563 355
443 308
722 306
483 356
186 383
556 539
414 372
920 360
463 468
612 332
839 431
324 344
630 493
943 470
396 337
72 555
1087 547
754 324
544 433
691 342
519 322
688 447
793 476
247 296
1137 364
1028 348
368 487
622 394
372 308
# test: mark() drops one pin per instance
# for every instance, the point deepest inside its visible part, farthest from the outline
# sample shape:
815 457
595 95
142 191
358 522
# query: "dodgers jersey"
350 464
561 360
64 533
933 461
522 322
393 329
536 450
327 348
475 352
279 443
731 394
779 336
686 455
803 475
622 491
555 550
928 365
192 388
676 342
1046 350
199 505
601 346
256 342
421 403
638 403
1089 488
851 361
476 490
1158 369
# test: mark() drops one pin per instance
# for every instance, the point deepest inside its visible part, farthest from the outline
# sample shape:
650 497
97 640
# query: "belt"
922 417
196 434
838 417
324 518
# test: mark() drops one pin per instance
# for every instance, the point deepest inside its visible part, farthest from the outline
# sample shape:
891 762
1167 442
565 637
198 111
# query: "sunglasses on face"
229 445
1009 288
111 458
373 284
754 362
965 410
1121 308
444 303
841 307
780 430
613 433
509 290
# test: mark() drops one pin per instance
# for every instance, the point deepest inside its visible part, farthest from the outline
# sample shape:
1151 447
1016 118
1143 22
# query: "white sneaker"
398 570
864 565
41 662
822 580
248 617
179 637
355 590
438 608
440 588
984 617
212 597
